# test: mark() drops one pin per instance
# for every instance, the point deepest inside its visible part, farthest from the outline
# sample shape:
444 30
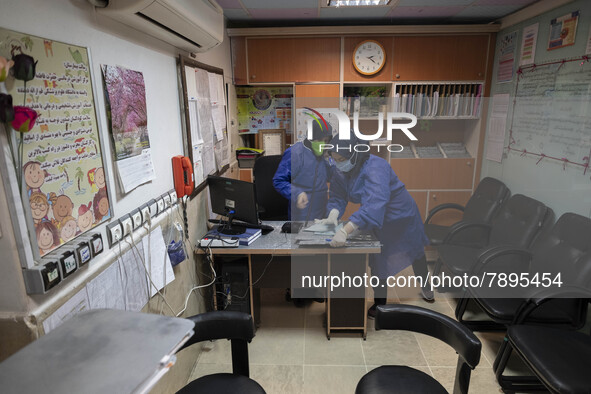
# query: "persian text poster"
62 161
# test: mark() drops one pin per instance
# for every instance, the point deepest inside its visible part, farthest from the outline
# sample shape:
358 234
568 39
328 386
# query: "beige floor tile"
277 346
209 369
315 315
332 379
392 348
482 380
215 352
340 350
279 379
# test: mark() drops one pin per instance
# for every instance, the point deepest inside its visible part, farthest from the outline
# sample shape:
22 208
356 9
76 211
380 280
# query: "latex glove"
302 201
333 218
339 238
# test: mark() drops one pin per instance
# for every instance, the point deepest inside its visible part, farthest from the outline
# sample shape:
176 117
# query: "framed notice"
271 141
563 31
65 192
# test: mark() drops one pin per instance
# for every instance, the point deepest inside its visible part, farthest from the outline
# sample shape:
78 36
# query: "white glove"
302 201
339 238
333 218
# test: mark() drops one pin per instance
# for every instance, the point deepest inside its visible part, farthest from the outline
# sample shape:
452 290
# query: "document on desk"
157 261
134 279
78 303
106 290
321 228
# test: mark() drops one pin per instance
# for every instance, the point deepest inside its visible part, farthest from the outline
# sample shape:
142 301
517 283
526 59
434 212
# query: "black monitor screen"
229 194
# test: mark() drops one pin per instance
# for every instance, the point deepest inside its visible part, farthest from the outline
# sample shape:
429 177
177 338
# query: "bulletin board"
205 121
552 112
264 107
65 191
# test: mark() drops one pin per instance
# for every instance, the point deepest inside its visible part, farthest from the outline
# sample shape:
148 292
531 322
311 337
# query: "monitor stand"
228 229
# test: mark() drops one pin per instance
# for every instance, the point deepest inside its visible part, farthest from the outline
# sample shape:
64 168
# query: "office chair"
272 205
237 327
480 208
564 250
403 379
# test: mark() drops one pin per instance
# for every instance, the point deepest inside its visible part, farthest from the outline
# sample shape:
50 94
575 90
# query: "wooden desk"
276 252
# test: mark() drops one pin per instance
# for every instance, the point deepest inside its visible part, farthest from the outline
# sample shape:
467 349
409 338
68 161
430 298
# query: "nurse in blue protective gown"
386 209
302 175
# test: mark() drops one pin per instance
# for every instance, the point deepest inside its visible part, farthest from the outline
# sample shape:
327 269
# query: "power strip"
207 242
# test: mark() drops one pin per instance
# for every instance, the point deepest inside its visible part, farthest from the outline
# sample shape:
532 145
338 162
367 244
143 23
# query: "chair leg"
462 381
475 325
512 384
240 357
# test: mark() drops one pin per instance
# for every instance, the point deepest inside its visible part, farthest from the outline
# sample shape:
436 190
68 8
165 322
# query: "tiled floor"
290 353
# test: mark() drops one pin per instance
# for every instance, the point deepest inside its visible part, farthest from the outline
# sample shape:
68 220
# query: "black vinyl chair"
517 224
480 208
561 253
237 327
403 379
559 358
272 205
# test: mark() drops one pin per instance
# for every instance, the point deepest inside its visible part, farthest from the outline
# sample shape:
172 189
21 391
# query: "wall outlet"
160 204
126 224
167 201
153 208
136 217
114 232
173 197
145 211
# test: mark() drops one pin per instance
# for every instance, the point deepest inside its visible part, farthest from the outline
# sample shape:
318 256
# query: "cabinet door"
447 217
421 200
293 59
246 174
435 173
317 96
432 58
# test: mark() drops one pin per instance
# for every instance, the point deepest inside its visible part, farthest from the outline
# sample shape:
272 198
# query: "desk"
276 251
100 351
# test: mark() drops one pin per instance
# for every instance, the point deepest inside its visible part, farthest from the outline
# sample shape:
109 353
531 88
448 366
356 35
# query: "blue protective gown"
295 175
387 211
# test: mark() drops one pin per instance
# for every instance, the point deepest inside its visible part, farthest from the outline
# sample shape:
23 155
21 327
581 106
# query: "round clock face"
369 57
262 99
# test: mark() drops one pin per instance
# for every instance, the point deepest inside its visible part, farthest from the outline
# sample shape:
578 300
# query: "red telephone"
182 171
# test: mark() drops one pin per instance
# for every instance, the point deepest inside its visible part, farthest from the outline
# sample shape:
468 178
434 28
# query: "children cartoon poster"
64 178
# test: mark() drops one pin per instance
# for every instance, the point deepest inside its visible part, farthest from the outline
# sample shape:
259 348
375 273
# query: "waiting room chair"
559 358
403 379
237 327
517 224
480 208
563 250
272 205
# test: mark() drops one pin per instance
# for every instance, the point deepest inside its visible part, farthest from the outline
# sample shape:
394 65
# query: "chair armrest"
428 322
221 325
442 207
545 295
489 256
457 228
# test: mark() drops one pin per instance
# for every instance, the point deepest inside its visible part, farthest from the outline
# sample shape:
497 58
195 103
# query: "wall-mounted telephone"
182 171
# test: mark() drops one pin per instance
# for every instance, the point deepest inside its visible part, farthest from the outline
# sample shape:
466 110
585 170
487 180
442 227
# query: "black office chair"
563 251
517 224
237 327
559 358
272 205
480 208
403 379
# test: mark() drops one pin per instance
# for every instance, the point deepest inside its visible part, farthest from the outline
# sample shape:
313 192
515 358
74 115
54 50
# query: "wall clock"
369 57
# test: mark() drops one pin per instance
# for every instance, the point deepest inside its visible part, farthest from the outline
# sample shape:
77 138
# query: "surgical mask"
344 166
316 147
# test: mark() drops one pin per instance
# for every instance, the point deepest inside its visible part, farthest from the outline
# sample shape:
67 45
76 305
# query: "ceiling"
261 13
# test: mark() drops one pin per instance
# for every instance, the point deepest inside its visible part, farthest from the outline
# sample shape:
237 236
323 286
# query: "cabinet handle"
480 74
469 164
397 75
434 196
253 76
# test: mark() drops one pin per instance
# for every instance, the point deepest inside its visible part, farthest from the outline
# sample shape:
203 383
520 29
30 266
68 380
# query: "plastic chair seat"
400 380
559 358
222 383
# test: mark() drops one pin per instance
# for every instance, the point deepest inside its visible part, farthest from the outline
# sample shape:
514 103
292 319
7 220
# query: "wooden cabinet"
238 46
421 200
448 216
245 174
317 95
440 58
449 173
293 59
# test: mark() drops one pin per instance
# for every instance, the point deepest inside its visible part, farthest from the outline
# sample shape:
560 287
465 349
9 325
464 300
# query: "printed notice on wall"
496 127
506 66
126 99
563 31
528 44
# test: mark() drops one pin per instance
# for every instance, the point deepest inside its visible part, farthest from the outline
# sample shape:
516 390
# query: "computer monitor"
234 199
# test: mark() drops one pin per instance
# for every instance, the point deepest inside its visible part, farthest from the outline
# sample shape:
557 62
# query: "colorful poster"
128 116
264 107
62 161
563 31
506 55
528 44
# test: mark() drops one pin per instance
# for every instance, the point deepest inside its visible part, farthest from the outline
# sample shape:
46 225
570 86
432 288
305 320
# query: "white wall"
563 191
